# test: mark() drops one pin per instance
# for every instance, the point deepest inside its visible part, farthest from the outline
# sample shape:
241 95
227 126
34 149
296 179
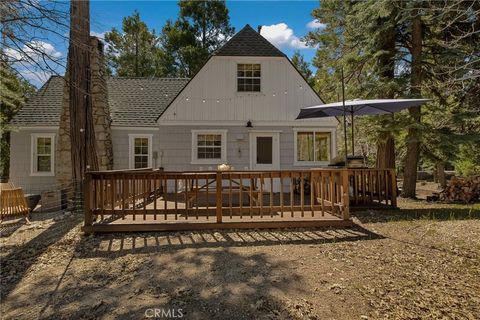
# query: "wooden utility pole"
82 135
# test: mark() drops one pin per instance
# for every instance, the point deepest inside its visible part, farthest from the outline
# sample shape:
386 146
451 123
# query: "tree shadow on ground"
375 216
107 244
17 260
203 275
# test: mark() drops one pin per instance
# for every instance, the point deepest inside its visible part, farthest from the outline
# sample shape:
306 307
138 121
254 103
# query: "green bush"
467 168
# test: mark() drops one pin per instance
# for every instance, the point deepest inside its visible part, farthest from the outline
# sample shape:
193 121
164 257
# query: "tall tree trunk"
386 142
81 121
440 168
136 55
204 25
386 151
413 136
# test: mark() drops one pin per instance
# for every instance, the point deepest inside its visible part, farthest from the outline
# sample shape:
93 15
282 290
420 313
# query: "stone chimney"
100 108
101 118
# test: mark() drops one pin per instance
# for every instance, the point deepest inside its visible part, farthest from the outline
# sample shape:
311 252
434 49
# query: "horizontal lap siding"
20 163
176 144
120 141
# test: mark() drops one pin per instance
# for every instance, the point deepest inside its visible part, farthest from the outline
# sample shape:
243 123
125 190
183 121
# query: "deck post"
218 198
87 203
393 194
345 195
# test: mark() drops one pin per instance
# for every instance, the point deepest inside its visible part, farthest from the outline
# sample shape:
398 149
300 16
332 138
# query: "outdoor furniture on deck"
193 191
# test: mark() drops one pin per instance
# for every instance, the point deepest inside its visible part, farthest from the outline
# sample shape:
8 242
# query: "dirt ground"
419 262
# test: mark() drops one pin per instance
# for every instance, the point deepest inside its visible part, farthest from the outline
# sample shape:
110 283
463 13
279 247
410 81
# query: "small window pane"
305 147
322 146
44 164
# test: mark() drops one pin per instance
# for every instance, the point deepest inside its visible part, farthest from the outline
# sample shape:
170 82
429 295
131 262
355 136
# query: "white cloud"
281 35
100 35
315 24
38 78
33 50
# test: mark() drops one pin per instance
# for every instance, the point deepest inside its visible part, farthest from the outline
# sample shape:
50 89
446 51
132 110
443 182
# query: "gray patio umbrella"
358 107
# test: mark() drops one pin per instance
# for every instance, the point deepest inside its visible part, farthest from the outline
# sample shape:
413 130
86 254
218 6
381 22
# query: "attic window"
248 77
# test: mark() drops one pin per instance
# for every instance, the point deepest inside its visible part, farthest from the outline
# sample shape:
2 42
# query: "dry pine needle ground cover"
419 262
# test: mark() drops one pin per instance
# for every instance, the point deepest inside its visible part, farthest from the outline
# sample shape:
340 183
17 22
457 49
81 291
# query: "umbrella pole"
344 120
353 134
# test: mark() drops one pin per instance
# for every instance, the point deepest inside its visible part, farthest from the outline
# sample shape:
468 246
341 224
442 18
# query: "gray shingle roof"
139 101
132 101
248 42
43 109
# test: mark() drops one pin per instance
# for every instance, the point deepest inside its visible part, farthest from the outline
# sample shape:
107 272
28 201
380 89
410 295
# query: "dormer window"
248 77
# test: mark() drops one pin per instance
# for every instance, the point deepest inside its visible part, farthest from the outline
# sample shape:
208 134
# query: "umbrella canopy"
359 107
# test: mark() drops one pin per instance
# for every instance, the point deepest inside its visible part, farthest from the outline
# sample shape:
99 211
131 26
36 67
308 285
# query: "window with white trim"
248 77
209 146
140 151
312 146
43 154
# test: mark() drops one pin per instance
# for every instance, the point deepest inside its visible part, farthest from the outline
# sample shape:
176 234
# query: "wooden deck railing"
145 200
369 187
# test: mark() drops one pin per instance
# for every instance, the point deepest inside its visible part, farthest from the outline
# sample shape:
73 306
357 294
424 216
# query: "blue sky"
285 22
287 17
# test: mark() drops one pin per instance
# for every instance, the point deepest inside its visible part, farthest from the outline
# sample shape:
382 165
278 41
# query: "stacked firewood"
461 190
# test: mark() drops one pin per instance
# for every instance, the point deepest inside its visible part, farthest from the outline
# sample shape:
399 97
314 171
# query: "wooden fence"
148 200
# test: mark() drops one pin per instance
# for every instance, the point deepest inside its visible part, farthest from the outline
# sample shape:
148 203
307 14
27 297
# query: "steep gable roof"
248 42
44 107
132 101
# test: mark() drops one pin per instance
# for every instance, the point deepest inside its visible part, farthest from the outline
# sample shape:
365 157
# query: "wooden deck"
152 200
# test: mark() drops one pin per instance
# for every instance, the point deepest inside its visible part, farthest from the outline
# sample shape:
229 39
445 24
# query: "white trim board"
244 123
23 128
135 128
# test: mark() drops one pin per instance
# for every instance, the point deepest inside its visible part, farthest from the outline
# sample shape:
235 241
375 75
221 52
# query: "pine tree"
201 28
402 49
13 92
134 51
303 66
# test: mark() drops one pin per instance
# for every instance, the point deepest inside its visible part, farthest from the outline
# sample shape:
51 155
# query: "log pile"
460 190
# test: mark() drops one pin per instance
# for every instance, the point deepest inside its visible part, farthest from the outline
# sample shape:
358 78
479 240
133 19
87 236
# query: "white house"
239 109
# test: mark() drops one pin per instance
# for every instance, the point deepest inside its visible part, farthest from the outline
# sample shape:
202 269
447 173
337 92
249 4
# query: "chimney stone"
101 119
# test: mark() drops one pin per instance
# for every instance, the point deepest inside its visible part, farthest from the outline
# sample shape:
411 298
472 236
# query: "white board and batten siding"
212 95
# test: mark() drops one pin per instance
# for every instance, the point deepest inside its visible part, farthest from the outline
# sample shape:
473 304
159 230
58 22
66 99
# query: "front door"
265 152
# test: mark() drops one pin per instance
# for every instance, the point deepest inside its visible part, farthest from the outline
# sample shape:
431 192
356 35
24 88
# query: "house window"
209 147
248 77
43 148
140 150
312 147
